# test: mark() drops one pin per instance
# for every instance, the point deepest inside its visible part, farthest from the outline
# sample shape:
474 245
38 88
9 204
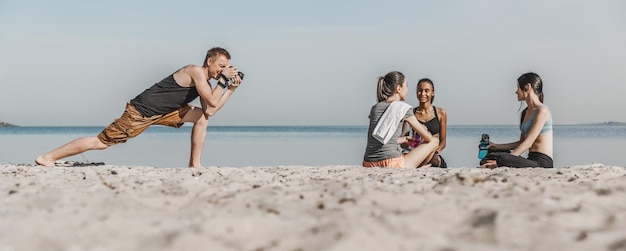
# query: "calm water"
240 146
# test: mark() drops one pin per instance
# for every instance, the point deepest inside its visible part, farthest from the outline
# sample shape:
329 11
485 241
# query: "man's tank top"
164 97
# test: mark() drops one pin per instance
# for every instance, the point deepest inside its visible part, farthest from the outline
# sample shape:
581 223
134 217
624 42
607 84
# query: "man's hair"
214 52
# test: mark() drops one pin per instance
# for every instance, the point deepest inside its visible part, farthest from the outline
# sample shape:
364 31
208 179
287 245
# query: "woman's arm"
525 143
443 123
406 131
420 129
506 146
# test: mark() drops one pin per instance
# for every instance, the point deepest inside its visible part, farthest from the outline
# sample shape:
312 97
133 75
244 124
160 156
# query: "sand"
312 208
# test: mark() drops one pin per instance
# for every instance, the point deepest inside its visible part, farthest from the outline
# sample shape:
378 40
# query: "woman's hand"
406 140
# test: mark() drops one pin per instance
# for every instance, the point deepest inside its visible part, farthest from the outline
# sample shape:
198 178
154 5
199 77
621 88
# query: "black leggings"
535 159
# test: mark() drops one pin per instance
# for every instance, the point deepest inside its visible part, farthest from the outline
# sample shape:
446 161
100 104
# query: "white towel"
388 123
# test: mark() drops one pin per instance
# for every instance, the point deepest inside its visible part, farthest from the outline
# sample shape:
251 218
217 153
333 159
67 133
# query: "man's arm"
210 96
211 110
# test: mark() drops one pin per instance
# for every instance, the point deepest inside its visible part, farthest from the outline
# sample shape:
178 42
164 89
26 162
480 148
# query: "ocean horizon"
274 145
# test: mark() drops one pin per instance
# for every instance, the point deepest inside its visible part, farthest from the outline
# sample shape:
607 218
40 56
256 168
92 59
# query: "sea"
242 146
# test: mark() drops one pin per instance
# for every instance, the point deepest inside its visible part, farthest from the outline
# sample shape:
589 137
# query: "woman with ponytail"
535 127
386 118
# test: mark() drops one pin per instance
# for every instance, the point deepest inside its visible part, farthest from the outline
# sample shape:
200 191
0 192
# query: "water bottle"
417 141
482 147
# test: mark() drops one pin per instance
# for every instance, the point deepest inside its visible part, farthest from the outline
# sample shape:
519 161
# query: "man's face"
216 65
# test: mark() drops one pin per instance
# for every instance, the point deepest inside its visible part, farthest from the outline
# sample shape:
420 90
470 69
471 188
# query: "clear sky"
313 62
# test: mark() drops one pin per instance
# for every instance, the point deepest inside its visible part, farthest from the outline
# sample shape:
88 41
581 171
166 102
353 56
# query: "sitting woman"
535 127
434 118
386 119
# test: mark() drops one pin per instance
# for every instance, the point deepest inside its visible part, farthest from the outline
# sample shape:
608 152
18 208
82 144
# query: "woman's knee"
434 142
510 160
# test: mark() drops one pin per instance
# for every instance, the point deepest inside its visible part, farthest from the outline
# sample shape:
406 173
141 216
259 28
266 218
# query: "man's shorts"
132 123
394 162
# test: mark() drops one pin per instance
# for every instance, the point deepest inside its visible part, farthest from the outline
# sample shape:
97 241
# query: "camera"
482 146
229 81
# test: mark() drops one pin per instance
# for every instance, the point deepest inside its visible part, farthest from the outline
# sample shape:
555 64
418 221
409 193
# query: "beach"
312 208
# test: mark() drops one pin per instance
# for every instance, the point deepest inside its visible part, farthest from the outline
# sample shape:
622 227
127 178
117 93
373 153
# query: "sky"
76 63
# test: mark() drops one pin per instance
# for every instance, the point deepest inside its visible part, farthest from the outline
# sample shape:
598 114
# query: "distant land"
6 124
608 123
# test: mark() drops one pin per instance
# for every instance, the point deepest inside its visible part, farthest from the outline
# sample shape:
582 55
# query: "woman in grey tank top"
386 118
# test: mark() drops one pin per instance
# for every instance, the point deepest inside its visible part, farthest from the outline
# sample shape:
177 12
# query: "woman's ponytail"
387 84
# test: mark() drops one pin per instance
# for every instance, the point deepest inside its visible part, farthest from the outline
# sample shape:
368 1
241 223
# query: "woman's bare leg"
418 156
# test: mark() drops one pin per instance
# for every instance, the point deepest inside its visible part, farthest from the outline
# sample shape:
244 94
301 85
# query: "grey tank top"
375 150
164 97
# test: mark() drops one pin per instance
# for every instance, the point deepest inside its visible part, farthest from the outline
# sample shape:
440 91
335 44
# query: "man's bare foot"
41 161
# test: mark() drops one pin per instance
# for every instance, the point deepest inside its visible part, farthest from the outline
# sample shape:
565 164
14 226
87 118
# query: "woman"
386 119
535 127
434 118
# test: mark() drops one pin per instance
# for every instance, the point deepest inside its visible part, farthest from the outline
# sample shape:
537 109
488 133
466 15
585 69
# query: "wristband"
225 79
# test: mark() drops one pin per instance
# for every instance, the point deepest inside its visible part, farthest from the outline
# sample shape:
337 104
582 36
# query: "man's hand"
235 83
230 71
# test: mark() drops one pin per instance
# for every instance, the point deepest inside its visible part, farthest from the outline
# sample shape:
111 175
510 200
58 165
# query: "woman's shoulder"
380 106
544 109
543 112
441 111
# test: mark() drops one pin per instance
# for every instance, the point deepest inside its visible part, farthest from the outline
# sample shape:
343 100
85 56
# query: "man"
166 103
